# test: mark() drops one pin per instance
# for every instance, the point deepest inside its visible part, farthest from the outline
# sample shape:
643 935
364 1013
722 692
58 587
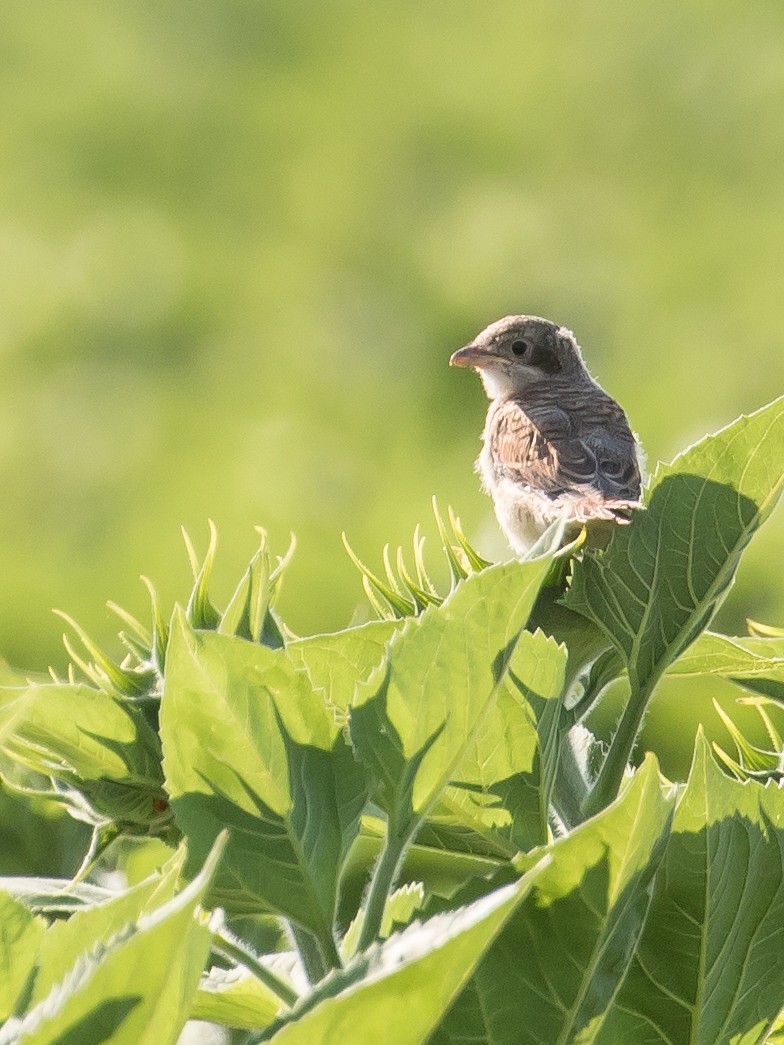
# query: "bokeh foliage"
240 240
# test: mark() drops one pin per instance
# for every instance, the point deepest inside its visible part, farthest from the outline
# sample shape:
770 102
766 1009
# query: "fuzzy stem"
608 783
230 947
384 876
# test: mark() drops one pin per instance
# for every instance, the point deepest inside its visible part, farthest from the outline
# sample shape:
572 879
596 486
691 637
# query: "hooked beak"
473 356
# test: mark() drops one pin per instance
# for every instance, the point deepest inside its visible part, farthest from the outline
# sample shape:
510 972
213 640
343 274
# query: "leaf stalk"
227 945
382 883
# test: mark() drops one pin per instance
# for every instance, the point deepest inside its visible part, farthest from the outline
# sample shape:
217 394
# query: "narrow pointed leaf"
160 630
200 611
457 571
400 606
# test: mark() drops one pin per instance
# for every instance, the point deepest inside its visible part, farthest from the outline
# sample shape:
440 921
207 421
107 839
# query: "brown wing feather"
587 453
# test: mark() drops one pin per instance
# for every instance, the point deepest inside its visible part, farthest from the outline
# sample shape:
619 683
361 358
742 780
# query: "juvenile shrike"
556 446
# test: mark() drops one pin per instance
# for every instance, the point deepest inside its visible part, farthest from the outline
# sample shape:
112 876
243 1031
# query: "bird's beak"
472 356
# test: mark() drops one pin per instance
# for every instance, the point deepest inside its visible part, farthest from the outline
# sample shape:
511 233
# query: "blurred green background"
239 241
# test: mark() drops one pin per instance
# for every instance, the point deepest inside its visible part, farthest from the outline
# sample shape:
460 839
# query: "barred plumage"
555 444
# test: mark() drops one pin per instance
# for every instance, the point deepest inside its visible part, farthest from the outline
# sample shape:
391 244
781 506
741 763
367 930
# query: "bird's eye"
519 347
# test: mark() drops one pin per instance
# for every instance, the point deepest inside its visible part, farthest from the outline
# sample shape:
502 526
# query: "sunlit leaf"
710 967
249 744
553 971
503 785
88 740
134 987
445 669
21 933
403 986
336 664
660 580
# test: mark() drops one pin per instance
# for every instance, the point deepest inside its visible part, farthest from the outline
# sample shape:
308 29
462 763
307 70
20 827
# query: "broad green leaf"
444 671
709 968
135 988
236 998
94 743
337 663
554 969
503 785
54 895
584 640
80 731
96 925
754 663
399 990
249 745
659 582
21 933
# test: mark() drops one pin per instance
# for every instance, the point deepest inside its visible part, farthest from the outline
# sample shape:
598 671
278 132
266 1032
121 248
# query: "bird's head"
518 351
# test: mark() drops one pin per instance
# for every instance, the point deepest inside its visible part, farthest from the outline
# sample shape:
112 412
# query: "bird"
556 446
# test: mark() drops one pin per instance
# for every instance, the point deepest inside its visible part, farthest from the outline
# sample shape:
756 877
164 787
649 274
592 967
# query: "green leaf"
776 1035
250 745
97 744
21 933
200 611
443 872
404 985
442 675
502 787
54 895
658 584
236 998
554 969
65 940
444 670
132 988
753 761
710 966
336 664
754 663
584 640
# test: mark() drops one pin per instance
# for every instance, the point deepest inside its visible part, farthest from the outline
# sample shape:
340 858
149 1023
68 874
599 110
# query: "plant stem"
329 951
230 947
380 887
608 783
